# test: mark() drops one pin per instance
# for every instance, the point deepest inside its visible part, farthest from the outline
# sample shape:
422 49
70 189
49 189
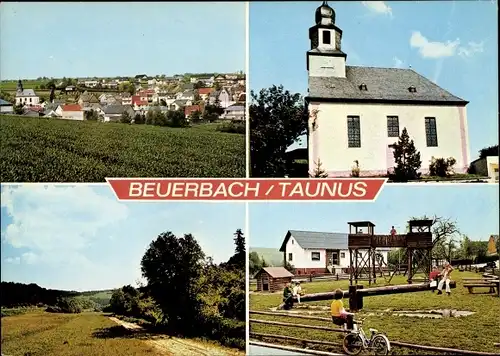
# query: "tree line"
187 293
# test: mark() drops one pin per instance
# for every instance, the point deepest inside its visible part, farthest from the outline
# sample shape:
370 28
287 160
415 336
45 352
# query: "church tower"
19 86
325 58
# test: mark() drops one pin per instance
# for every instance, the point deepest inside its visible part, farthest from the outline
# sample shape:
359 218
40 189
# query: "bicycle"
356 341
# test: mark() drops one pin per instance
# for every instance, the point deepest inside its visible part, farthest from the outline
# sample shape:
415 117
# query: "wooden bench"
471 286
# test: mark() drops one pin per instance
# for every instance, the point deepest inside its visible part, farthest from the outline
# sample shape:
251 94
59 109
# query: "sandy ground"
171 346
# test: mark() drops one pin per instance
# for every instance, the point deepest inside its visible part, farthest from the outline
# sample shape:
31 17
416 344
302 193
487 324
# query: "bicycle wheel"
380 345
352 344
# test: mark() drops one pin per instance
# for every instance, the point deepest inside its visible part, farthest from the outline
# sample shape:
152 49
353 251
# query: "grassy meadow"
477 332
38 333
54 150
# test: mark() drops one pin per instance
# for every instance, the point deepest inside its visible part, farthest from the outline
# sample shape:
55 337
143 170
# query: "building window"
342 255
327 37
392 126
290 257
353 132
315 256
292 242
431 132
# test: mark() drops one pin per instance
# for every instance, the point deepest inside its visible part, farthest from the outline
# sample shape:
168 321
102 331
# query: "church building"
357 113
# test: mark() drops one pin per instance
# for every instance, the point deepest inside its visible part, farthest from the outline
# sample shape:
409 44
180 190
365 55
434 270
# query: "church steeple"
325 58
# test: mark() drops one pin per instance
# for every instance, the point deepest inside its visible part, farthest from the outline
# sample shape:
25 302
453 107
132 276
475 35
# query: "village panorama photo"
156 95
402 90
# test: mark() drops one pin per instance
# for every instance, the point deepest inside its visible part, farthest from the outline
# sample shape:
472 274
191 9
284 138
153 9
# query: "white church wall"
329 141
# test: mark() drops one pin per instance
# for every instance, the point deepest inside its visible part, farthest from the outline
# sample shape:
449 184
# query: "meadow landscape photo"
84 274
158 98
381 256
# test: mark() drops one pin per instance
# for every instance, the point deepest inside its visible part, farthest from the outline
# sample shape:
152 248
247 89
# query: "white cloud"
429 49
56 223
29 258
398 63
434 49
471 48
379 7
13 260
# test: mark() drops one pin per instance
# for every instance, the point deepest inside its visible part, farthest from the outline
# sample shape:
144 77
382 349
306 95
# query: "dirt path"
172 346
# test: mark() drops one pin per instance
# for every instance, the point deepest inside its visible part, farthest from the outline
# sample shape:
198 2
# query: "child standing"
339 315
446 279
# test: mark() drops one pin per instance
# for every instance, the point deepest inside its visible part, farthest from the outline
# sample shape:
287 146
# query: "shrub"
319 171
355 169
442 167
232 127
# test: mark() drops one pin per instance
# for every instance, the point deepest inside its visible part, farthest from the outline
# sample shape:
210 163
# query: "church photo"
356 89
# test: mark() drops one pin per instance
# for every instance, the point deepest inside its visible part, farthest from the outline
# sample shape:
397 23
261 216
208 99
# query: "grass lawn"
54 150
476 332
41 334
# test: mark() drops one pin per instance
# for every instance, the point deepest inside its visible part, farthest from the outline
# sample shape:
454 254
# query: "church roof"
382 85
25 92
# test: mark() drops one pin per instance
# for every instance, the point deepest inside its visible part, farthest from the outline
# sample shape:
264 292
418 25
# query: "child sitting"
433 278
340 316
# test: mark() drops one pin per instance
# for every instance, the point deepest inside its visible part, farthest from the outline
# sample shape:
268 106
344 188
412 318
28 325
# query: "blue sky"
83 238
106 39
453 43
474 207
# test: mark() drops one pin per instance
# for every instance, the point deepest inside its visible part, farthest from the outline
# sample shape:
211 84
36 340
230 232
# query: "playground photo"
415 272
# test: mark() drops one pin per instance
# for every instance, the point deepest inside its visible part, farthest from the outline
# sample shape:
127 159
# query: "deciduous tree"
277 119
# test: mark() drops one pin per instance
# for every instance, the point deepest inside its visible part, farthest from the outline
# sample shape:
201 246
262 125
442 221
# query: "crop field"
477 332
54 150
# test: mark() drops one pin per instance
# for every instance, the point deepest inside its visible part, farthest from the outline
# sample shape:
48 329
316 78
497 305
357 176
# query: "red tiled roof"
72 107
188 110
136 99
202 91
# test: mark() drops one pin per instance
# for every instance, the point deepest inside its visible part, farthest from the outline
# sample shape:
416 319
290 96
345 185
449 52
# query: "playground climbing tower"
364 258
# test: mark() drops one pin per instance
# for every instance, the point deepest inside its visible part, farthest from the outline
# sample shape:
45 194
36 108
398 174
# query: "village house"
180 104
114 113
272 279
486 167
204 93
188 110
357 113
87 98
138 102
222 96
26 97
234 112
318 252
91 83
126 99
6 107
70 112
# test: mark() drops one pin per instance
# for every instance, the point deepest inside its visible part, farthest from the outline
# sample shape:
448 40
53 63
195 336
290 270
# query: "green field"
40 334
477 332
12 84
54 150
37 333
